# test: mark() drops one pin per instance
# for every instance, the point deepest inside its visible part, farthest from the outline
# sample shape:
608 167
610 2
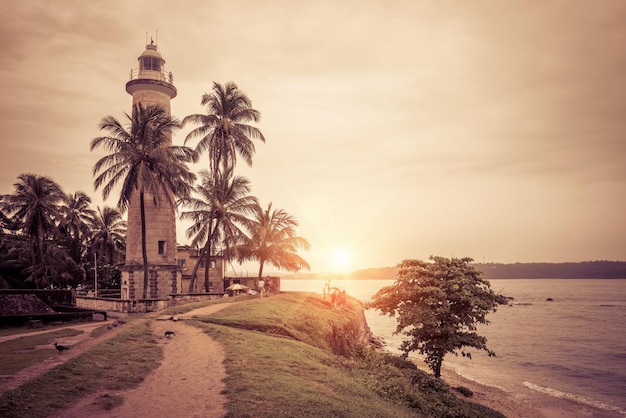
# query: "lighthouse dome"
151 74
150 59
151 51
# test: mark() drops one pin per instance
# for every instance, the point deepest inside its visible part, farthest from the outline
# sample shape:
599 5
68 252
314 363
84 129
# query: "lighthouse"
151 85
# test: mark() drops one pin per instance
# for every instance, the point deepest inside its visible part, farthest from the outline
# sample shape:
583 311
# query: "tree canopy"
438 306
224 131
273 240
143 160
217 212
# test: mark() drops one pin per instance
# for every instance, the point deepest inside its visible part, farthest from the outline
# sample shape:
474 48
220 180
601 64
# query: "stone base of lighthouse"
163 280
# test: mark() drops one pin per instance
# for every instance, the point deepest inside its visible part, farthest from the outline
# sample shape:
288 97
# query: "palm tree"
143 160
218 212
273 240
223 131
5 222
35 207
108 231
76 215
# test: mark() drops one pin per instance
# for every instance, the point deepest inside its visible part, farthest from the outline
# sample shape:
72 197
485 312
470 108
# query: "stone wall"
183 298
121 305
147 305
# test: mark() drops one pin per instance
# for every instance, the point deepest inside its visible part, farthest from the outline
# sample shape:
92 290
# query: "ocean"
572 347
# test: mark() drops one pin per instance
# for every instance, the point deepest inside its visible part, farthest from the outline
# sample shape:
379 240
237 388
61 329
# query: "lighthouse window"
151 63
161 247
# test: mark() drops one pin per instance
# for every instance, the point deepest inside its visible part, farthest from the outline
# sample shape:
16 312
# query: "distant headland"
581 270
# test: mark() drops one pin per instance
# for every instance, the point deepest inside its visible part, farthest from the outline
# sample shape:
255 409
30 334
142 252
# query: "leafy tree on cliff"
438 305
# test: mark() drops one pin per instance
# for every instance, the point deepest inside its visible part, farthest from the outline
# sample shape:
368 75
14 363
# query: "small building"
218 281
188 258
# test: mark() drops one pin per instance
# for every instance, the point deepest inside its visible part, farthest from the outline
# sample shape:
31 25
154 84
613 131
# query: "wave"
576 398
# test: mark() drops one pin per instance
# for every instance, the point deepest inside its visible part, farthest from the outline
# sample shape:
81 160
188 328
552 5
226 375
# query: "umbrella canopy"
237 286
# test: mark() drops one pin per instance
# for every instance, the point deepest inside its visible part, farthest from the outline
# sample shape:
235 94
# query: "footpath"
189 382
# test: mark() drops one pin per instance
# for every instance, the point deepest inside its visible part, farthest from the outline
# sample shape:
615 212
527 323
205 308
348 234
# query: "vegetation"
281 360
438 305
120 363
224 131
45 235
108 239
220 206
25 351
34 207
52 239
293 369
273 240
582 270
144 161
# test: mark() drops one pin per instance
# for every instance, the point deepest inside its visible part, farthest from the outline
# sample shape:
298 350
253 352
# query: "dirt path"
189 382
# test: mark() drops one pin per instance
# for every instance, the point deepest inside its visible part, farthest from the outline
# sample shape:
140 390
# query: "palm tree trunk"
261 262
144 250
207 283
192 281
42 259
437 367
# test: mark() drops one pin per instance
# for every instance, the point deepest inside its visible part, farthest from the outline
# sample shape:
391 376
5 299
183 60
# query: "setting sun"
342 260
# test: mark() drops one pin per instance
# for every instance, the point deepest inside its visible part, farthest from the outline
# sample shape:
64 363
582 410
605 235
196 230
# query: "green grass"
278 377
119 363
301 316
23 352
181 309
25 330
280 363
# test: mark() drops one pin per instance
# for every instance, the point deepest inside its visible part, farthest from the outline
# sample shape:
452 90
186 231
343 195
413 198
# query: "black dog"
169 333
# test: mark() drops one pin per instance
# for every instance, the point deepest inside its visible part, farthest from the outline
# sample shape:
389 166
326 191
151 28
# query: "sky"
394 129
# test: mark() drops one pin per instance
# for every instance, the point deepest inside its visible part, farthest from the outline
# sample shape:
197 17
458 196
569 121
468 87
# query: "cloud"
408 128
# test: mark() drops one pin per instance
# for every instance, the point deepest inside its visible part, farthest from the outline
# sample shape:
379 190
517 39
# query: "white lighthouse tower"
149 85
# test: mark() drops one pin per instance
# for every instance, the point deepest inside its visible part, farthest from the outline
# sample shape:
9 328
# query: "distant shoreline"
582 270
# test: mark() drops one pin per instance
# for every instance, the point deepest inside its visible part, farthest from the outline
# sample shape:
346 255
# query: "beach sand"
531 404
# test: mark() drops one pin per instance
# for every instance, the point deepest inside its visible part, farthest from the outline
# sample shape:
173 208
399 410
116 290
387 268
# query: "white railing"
161 75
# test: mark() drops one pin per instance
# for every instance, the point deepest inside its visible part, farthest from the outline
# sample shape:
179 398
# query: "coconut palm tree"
108 232
76 216
35 207
272 239
224 131
218 212
5 222
143 161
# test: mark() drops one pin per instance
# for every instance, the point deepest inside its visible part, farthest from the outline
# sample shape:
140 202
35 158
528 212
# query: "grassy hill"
287 355
293 355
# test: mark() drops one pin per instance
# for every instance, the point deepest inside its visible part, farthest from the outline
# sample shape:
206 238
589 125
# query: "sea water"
572 346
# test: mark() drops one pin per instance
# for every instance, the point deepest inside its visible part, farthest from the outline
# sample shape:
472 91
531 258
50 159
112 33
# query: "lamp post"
95 276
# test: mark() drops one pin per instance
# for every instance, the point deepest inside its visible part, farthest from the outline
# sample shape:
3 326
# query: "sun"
341 259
